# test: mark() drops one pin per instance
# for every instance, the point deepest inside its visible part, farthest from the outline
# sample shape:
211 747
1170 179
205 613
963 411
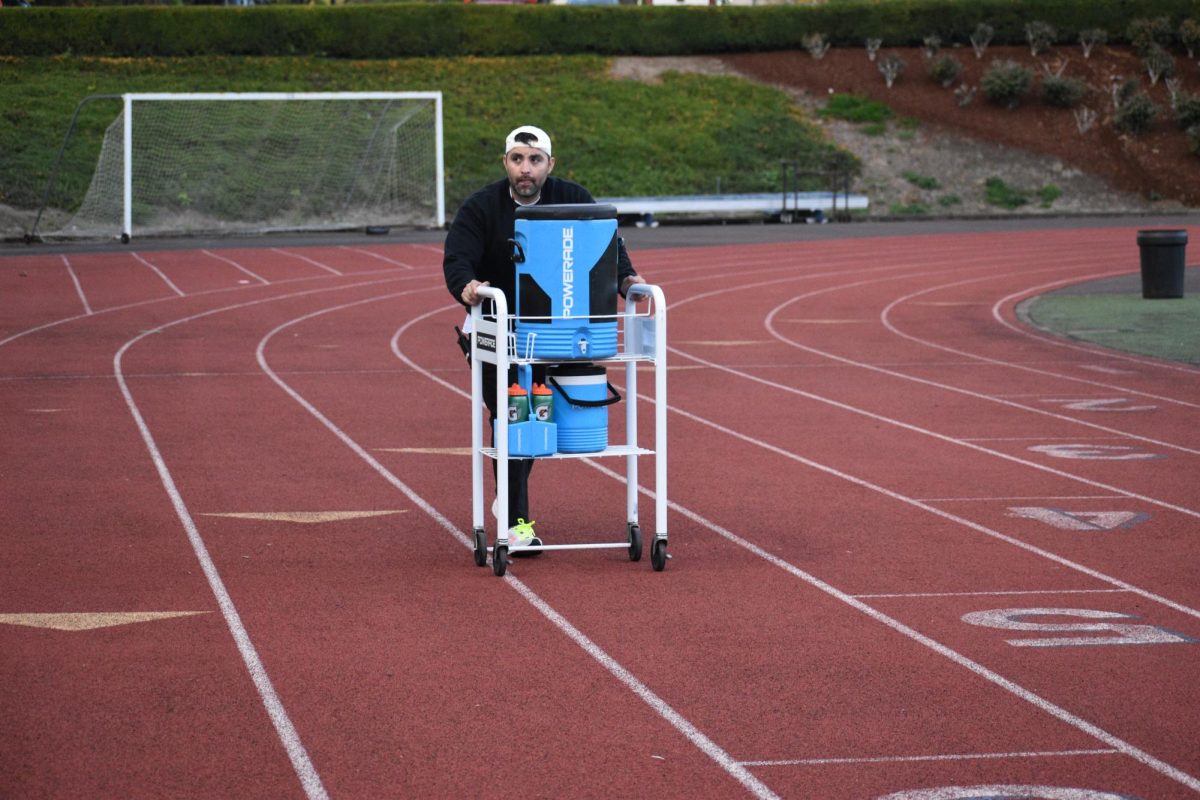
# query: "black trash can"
1163 254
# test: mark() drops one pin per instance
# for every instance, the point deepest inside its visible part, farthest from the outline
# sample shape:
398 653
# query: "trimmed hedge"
402 30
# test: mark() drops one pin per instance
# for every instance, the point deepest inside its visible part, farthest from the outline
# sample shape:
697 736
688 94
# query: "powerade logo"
485 342
568 270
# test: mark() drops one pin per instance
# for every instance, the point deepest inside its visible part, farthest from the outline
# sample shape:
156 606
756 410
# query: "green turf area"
1167 329
618 137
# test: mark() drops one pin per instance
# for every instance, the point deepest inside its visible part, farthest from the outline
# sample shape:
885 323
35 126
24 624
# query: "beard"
525 189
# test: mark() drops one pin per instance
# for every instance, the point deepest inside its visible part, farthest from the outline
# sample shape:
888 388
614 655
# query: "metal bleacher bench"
789 207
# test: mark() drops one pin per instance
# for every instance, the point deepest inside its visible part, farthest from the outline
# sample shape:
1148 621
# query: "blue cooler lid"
568 211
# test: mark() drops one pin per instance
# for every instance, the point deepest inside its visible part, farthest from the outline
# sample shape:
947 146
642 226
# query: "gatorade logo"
568 270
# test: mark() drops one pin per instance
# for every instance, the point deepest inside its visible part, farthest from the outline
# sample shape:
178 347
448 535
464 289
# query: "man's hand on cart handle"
630 281
470 293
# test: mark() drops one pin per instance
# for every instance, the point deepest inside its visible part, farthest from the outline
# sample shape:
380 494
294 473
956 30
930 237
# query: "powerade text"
568 270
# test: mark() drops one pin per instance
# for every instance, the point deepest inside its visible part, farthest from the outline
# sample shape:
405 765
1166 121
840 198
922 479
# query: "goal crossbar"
364 158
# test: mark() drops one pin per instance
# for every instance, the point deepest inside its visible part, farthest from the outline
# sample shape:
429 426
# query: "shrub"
1187 111
981 38
1090 38
1159 63
921 181
1006 82
1189 35
1193 138
890 66
1040 36
1144 33
1048 194
1062 92
1136 114
998 193
945 70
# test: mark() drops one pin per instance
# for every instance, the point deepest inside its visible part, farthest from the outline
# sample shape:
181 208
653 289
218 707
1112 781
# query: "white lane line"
988 594
1007 499
976 668
623 675
1094 350
805 762
161 274
1023 367
378 256
933 509
139 303
325 267
78 287
290 738
238 266
925 431
885 318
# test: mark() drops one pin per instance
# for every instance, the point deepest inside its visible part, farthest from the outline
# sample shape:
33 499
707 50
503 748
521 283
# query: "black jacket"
477 245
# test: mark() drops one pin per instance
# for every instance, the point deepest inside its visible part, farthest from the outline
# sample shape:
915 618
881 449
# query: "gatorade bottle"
543 402
518 404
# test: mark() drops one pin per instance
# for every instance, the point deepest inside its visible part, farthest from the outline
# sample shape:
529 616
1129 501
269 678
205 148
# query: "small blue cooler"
582 395
566 269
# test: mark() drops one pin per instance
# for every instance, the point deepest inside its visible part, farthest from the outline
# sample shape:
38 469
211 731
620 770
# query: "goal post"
255 162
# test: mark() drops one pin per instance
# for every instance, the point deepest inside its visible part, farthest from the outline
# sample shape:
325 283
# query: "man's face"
527 169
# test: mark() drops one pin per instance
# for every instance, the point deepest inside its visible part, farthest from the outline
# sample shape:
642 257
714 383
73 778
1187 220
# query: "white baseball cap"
536 138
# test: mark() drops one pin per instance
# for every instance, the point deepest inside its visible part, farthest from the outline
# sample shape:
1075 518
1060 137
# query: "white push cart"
643 340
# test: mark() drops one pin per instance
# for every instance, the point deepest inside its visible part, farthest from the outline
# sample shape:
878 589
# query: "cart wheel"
658 555
635 542
500 561
480 548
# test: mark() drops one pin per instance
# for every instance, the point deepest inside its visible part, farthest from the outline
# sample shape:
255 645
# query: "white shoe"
520 535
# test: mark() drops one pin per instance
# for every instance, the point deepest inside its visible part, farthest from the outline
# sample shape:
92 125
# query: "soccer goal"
260 162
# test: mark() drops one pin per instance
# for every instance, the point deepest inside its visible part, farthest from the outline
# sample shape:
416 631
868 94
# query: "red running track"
920 552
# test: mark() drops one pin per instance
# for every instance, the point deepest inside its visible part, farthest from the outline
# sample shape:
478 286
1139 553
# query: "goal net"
246 163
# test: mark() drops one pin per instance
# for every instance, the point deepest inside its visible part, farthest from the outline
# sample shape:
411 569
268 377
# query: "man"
477 253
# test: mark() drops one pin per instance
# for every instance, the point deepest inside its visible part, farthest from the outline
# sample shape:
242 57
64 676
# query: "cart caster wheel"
124 238
658 555
480 548
500 561
635 543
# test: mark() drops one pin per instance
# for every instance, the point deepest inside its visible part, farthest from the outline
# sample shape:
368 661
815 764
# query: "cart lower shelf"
614 450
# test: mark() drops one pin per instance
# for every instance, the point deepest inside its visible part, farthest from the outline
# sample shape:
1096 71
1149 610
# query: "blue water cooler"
566 268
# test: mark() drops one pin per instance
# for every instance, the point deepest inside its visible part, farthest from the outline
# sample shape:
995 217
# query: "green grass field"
618 137
1167 329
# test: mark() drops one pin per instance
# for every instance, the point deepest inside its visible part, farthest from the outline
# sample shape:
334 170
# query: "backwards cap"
536 138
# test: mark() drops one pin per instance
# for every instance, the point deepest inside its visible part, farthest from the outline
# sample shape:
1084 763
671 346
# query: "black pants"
518 468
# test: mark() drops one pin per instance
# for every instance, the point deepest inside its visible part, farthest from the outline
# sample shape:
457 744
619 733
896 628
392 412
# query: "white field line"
623 675
161 274
1095 350
797 762
305 258
236 265
979 670
889 420
884 316
378 256
55 323
78 286
288 736
770 325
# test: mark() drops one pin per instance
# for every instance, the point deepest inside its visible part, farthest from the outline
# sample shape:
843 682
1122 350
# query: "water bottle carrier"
640 337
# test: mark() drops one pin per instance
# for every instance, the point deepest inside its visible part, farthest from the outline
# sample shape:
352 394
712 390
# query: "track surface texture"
920 551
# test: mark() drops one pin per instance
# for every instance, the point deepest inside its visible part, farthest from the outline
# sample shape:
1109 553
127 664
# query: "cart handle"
608 401
518 255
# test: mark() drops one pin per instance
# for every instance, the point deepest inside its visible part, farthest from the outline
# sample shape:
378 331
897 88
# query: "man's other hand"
470 292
